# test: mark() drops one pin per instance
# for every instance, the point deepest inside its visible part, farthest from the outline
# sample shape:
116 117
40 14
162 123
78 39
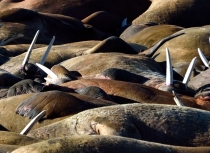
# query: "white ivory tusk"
32 122
47 51
177 99
30 49
203 58
189 71
48 71
169 71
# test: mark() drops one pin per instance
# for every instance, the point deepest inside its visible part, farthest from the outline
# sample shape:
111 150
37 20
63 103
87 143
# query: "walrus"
187 46
100 19
105 144
151 35
80 9
188 13
27 22
32 103
59 104
150 122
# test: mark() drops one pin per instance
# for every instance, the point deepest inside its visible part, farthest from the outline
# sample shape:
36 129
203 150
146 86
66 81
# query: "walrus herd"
102 76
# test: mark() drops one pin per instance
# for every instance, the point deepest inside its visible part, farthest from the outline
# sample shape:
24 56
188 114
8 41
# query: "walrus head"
29 70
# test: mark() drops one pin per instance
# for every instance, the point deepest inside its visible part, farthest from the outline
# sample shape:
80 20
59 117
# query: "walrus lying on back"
166 124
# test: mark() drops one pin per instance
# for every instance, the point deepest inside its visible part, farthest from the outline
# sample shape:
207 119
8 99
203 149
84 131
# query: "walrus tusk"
169 71
47 51
177 99
124 22
13 37
155 47
48 71
30 49
203 58
189 71
32 122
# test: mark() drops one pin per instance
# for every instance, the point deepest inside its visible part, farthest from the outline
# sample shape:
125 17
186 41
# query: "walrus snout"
105 126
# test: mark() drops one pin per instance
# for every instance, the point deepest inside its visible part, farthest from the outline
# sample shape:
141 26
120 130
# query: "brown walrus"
167 124
105 144
187 13
10 121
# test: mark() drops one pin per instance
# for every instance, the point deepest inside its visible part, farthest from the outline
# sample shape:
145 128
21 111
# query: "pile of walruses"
103 76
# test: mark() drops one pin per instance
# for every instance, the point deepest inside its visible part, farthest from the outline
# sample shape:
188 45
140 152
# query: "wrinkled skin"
155 123
59 104
24 87
31 104
9 121
105 144
187 13
27 22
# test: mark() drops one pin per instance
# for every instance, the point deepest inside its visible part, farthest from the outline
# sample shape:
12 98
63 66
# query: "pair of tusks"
169 70
169 75
42 61
13 37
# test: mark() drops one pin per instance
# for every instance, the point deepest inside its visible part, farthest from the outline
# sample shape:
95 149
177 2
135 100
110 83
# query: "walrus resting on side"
105 144
166 124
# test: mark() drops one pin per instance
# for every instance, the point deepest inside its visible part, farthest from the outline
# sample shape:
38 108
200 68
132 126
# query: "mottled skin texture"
184 48
80 8
156 123
151 35
186 13
105 144
27 22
